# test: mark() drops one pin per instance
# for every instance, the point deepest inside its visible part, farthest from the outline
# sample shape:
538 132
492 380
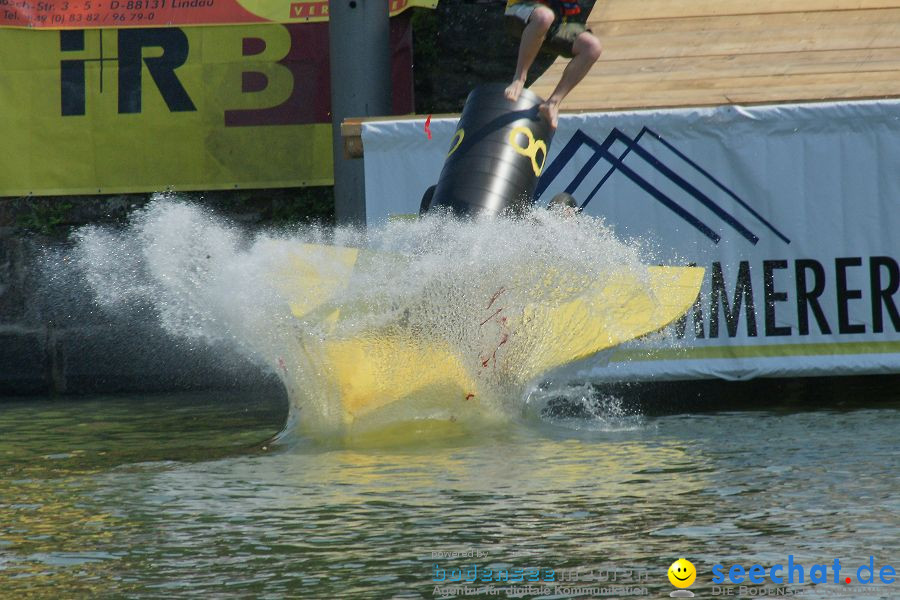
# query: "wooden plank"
353 125
739 90
711 36
886 60
351 130
626 10
704 59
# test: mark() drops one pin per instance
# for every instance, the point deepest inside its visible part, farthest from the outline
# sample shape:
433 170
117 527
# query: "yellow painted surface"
381 367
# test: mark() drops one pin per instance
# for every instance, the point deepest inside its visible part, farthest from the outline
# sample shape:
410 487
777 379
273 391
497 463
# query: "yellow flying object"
379 375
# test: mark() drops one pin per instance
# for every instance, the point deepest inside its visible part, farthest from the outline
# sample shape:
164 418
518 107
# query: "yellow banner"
152 109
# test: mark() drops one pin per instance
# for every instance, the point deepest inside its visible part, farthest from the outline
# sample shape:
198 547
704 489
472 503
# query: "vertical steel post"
360 55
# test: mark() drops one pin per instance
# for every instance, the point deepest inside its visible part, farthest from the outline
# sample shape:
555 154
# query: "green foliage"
276 206
426 57
305 205
45 216
425 34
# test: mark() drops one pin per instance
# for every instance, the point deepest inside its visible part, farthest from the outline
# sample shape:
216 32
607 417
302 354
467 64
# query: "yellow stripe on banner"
767 351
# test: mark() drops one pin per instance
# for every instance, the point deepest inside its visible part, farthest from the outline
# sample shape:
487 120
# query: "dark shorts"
561 36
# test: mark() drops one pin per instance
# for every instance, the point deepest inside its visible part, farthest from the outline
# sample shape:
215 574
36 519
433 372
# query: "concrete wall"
54 340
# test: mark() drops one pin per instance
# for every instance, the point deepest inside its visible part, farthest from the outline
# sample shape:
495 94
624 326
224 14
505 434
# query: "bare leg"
586 51
532 37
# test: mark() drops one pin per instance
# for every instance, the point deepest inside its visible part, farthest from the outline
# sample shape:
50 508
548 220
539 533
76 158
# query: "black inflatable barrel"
496 155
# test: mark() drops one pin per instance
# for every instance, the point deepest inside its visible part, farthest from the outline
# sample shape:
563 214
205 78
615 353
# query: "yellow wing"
379 374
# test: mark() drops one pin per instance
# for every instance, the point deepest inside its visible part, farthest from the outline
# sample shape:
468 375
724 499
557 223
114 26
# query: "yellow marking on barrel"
532 149
458 136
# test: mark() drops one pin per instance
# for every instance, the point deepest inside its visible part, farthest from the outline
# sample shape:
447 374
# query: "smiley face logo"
682 573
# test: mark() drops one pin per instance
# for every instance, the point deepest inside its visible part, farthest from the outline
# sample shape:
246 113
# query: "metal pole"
360 55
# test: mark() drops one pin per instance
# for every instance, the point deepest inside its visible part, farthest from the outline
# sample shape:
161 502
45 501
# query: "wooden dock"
681 53
677 53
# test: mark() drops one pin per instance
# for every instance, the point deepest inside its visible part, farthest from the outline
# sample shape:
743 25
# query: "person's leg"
586 50
532 37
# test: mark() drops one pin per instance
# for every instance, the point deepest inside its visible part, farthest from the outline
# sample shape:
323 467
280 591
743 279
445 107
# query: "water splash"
582 407
457 291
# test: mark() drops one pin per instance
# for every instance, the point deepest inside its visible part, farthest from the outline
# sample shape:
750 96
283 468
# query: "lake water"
564 492
187 495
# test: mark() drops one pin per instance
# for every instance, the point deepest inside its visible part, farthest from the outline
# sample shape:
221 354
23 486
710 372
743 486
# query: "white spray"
437 278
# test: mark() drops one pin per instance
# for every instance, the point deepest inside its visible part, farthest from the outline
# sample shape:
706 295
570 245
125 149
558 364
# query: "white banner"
793 210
